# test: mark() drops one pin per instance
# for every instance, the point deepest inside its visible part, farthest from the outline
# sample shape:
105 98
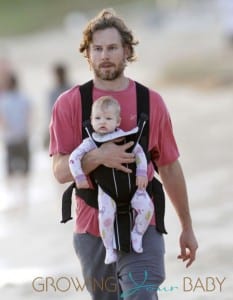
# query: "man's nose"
105 53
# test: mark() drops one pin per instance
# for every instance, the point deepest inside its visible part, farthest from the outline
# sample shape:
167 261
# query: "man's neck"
118 84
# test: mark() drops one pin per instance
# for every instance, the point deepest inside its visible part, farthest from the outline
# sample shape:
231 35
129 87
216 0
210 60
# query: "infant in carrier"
105 120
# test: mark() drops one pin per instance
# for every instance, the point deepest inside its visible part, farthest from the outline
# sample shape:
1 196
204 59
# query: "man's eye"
97 48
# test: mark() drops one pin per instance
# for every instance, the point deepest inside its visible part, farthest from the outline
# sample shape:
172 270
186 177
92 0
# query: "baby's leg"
107 210
144 207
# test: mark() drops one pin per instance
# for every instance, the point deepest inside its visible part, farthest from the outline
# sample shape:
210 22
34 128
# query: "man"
108 44
15 111
61 85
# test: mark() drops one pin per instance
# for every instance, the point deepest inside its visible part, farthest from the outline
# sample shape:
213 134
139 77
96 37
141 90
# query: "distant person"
61 85
15 121
5 68
105 120
226 10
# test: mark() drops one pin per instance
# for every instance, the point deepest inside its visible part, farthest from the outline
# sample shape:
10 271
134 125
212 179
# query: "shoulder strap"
143 108
86 100
143 103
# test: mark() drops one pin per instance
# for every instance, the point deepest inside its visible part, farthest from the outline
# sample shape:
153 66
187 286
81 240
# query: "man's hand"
188 246
114 156
174 183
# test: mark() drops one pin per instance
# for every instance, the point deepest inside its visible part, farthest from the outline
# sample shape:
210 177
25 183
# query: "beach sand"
32 241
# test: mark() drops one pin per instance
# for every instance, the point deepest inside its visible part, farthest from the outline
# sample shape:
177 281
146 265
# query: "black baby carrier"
119 185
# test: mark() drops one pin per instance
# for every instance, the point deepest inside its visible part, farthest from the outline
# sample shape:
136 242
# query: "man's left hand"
188 246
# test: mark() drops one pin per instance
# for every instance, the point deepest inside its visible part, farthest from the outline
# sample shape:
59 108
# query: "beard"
109 74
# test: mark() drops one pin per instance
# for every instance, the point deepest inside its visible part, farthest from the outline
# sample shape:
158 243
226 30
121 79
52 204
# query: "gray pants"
134 277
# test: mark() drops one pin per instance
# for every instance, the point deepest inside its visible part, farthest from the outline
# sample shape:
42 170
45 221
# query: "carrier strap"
143 107
142 93
87 100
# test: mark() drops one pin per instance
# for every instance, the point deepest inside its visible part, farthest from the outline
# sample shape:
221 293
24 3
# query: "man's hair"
108 19
106 102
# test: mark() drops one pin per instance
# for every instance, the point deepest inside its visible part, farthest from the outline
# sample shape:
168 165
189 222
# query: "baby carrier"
119 185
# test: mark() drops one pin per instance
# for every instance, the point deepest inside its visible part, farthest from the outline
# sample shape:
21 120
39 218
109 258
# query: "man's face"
106 54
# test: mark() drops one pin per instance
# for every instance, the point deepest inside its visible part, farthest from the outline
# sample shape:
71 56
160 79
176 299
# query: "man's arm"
109 154
174 183
61 168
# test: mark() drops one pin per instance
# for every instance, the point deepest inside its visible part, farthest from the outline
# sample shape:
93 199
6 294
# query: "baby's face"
104 121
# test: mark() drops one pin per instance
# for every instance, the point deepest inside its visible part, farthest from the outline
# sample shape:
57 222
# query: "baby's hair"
105 102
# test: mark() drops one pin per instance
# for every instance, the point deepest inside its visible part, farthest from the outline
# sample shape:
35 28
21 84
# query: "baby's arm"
75 163
141 167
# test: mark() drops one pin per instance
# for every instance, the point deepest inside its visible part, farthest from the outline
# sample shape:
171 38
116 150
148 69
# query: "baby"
105 120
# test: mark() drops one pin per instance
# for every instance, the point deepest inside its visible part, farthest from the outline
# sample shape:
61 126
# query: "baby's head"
105 115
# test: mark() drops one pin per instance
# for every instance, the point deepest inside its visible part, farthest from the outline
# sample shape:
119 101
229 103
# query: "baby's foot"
136 239
110 257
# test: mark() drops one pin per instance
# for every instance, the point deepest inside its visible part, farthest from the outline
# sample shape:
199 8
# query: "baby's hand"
82 184
141 182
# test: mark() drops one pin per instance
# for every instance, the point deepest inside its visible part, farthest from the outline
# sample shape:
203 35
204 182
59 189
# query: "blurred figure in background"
61 85
5 69
15 121
226 11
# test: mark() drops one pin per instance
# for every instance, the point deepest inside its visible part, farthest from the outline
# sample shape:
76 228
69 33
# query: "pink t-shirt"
66 133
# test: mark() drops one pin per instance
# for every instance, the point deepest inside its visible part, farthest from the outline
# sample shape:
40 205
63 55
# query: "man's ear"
87 54
127 52
88 59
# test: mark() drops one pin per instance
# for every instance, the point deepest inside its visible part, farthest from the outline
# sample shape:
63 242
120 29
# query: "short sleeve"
162 143
65 125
